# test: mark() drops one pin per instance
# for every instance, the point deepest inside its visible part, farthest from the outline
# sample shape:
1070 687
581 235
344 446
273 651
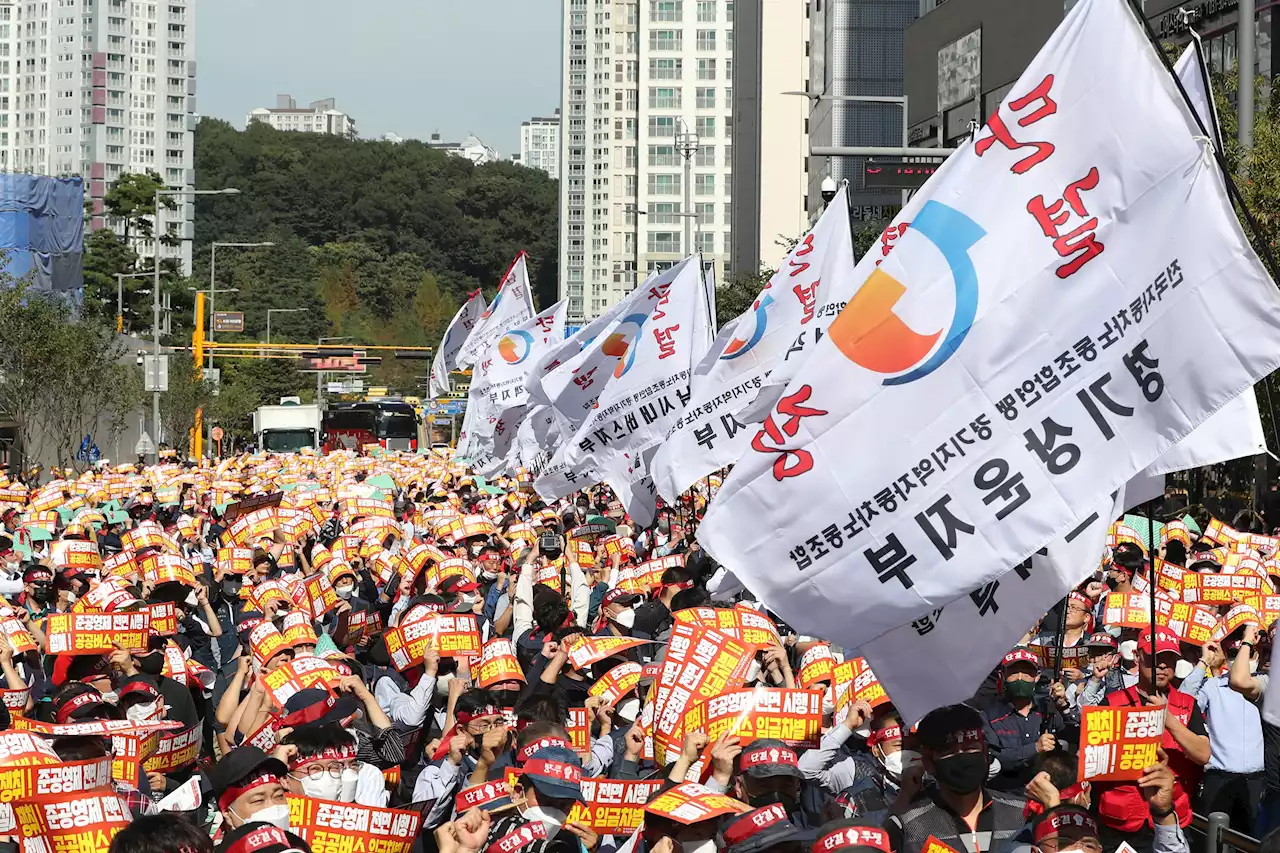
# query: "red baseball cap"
1166 642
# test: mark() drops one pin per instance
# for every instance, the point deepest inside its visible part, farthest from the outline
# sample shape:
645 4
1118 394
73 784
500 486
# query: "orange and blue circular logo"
488 311
738 347
515 346
622 345
871 335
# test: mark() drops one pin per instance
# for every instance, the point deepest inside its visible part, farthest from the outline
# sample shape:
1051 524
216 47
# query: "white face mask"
829 702
324 788
140 713
550 818
627 619
344 591
895 763
629 709
350 777
277 816
476 548
753 671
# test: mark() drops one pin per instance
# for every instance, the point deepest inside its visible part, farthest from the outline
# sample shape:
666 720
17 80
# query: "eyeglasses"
1054 845
479 727
334 769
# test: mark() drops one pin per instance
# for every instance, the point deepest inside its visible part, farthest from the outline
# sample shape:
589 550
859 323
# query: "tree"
187 392
105 256
132 199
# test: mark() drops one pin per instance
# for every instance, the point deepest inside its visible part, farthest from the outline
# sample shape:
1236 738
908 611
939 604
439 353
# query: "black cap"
315 706
764 758
239 763
757 830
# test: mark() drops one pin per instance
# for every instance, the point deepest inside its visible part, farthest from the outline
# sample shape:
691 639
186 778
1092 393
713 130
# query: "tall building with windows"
100 88
646 82
317 117
540 144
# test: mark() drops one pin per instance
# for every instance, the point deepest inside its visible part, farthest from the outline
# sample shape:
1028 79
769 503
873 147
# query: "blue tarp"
42 229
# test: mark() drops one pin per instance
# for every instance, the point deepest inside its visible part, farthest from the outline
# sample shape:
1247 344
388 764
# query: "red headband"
752 822
333 753
552 770
76 703
465 717
1066 819
887 733
309 714
540 744
230 795
853 836
768 755
525 835
261 837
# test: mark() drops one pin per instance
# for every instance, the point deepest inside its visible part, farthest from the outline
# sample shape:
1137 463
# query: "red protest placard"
174 750
617 682
613 806
235 561
865 687
1222 589
579 728
1189 622
588 650
763 713
321 595
19 637
80 820
689 803
327 825
700 664
24 783
23 749
498 663
1116 744
266 641
933 845
647 575
816 664
75 554
299 674
744 624
451 634
1072 656
164 618
97 633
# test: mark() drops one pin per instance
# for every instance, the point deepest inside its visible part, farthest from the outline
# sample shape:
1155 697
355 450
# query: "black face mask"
962 773
1112 582
786 800
42 594
152 664
231 588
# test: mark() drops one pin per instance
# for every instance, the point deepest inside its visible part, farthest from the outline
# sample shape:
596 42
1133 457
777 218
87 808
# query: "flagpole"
1151 578
1260 243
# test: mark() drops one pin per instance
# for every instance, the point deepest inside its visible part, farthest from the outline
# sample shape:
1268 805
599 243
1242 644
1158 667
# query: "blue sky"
409 67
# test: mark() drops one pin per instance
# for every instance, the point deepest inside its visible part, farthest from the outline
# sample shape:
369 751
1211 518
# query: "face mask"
828 702
962 773
141 713
277 816
324 788
151 664
1019 689
488 575
896 762
550 818
626 619
468 600
344 591
476 548
110 698
42 594
231 588
753 671
350 777
863 731
442 684
71 597
629 709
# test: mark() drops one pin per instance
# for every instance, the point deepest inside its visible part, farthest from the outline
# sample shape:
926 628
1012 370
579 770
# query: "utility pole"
687 143
1246 42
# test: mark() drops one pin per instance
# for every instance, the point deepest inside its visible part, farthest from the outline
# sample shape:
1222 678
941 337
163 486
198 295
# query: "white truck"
288 427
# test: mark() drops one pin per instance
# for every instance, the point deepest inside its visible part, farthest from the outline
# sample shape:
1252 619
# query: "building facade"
317 117
470 148
771 146
101 88
540 145
646 142
856 50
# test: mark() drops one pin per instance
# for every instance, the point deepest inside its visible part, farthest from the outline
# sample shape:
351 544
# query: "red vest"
1120 804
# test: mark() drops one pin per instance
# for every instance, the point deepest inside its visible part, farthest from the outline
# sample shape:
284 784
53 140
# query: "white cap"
1129 649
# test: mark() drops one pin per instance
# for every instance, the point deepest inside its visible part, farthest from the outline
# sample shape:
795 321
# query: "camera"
550 544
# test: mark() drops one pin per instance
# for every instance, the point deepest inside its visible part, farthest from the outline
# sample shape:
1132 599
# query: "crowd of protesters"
328 564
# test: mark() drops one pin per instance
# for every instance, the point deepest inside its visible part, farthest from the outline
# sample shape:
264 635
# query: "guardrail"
1218 835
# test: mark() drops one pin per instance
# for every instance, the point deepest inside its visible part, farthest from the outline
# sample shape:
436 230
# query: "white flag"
511 307
446 360
708 436
943 657
1068 303
1235 430
577 388
498 379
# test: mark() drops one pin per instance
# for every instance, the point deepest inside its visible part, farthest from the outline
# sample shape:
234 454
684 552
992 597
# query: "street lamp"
687 144
213 287
271 311
320 373
155 300
120 277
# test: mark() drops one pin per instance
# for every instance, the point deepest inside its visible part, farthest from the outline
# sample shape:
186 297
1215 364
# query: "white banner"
708 436
498 378
943 657
1073 296
512 306
455 336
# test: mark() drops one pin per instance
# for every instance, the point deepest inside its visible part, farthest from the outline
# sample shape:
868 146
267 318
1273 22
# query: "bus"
391 424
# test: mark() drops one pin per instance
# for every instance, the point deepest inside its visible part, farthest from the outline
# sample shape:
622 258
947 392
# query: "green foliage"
187 392
132 198
60 377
